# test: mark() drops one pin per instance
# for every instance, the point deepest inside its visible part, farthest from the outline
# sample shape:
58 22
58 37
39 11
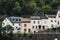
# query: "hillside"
28 7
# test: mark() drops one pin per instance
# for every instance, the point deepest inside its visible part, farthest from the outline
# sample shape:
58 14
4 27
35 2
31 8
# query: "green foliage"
7 28
33 6
46 8
29 34
28 7
17 8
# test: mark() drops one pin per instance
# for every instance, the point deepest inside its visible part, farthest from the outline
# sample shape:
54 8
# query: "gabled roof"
15 19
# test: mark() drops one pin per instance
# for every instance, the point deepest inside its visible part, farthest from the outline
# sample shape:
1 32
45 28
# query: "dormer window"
16 19
13 19
19 19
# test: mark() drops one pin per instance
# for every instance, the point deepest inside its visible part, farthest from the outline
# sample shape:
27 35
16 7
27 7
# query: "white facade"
34 23
15 25
6 22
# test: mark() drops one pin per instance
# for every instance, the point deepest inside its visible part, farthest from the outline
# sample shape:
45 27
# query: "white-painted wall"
6 22
35 24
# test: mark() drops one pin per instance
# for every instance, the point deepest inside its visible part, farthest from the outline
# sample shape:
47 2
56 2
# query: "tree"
17 9
32 7
46 9
7 32
8 28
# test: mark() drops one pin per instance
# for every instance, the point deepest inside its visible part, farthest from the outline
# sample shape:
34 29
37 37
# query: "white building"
34 23
15 22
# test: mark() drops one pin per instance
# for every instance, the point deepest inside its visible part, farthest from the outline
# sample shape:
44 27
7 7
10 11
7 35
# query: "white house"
15 22
35 23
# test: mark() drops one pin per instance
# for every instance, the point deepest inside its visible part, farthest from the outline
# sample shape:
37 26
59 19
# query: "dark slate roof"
43 17
15 19
35 17
38 17
50 16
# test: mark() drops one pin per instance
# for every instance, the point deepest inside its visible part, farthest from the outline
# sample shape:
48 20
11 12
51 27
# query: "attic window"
13 19
16 19
19 19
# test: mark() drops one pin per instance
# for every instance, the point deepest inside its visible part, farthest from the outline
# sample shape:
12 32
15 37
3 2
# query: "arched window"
58 22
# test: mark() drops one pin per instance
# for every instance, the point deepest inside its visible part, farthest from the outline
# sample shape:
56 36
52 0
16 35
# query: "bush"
29 34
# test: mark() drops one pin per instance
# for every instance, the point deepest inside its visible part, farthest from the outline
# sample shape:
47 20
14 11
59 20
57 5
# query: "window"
34 22
51 20
38 22
13 19
39 26
25 25
34 31
16 19
19 24
52 25
36 27
18 28
58 22
25 30
29 30
43 27
19 19
55 20
33 27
